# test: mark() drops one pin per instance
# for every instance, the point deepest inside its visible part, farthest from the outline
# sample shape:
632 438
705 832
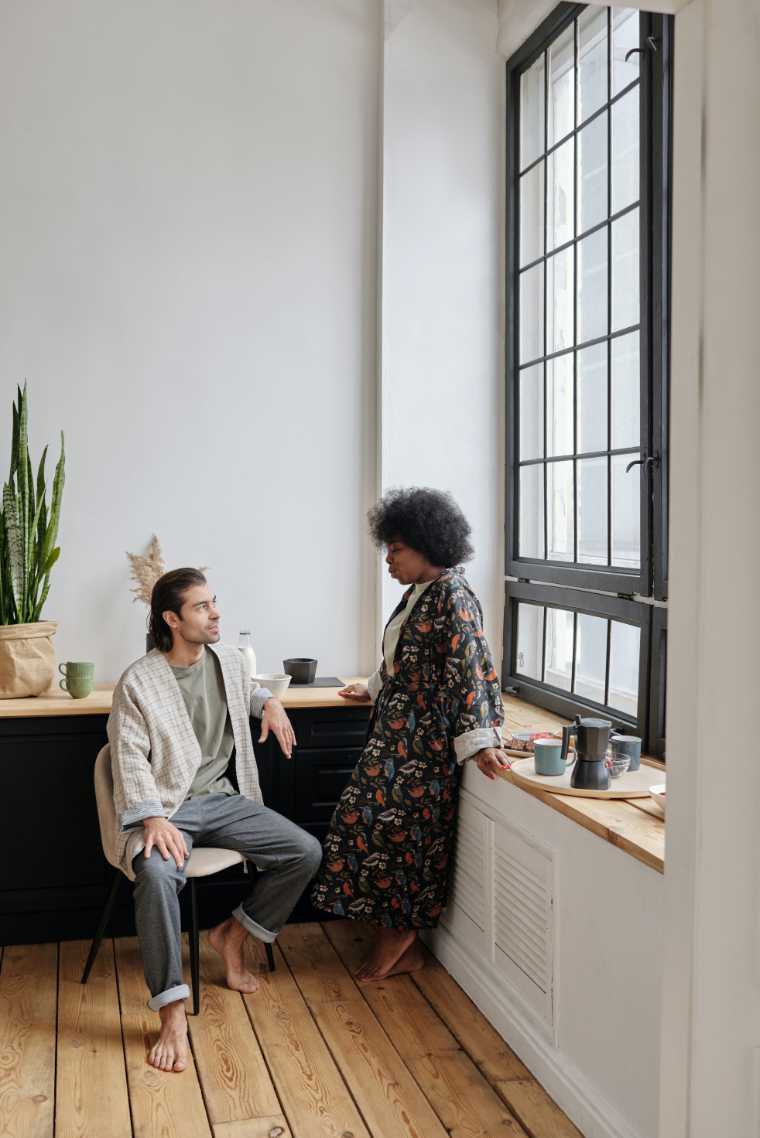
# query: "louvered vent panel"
468 891
523 908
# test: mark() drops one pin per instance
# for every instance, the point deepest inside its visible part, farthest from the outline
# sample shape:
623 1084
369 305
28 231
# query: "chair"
204 861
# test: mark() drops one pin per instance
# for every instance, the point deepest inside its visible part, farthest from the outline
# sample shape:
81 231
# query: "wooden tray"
632 784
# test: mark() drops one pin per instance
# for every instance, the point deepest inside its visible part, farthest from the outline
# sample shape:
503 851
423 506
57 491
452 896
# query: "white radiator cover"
502 906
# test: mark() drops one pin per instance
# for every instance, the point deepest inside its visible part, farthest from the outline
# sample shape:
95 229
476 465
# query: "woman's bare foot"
169 1053
411 960
390 945
228 940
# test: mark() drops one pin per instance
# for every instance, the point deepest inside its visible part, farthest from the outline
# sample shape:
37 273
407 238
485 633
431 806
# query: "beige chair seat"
206 860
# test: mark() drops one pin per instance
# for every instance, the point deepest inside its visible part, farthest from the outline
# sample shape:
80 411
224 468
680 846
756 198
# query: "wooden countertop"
98 702
633 825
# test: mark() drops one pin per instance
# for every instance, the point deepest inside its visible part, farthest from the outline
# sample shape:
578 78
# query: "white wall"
188 249
442 240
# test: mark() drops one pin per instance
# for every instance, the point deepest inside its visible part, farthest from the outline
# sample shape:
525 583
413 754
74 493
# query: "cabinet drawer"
320 778
342 727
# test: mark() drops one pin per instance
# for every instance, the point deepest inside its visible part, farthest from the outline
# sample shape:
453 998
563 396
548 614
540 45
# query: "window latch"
651 460
652 44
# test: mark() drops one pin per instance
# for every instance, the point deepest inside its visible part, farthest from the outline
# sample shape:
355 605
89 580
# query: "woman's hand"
357 692
492 760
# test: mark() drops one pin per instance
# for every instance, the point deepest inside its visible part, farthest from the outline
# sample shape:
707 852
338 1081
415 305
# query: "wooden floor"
311 1055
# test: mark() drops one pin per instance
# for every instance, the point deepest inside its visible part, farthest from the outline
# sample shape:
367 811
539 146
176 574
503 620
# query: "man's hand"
359 692
168 840
275 719
491 760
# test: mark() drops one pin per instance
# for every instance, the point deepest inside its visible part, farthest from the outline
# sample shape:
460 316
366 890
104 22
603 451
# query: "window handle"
652 44
653 459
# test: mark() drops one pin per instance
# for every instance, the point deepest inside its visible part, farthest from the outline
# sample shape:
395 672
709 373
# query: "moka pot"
591 739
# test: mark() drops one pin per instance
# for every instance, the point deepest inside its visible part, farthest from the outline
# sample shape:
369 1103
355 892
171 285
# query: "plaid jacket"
154 750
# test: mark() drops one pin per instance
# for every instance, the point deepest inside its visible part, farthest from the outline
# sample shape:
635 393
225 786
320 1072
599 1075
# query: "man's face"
198 620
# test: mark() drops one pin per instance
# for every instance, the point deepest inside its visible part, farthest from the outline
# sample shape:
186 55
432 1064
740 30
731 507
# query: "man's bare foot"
169 1053
228 940
390 945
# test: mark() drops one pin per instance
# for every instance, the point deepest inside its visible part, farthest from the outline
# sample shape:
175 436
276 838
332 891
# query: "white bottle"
246 647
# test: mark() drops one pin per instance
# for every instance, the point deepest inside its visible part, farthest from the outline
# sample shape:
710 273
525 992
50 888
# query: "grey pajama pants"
285 855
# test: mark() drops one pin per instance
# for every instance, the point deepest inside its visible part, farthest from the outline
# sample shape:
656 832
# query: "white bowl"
277 682
657 794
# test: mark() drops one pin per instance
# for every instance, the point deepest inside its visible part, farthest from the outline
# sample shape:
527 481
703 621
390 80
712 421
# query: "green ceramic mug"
78 678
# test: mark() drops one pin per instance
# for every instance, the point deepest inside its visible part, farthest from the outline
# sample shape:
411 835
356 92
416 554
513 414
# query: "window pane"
559 199
559 301
561 86
592 511
530 640
559 648
559 504
592 286
625 35
532 313
626 498
532 413
559 405
592 174
590 657
532 215
591 399
592 61
625 151
625 271
531 537
624 667
532 96
626 396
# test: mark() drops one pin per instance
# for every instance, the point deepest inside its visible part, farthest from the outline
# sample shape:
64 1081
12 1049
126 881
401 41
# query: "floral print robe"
389 848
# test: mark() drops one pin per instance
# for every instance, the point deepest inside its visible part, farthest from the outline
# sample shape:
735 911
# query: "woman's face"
406 565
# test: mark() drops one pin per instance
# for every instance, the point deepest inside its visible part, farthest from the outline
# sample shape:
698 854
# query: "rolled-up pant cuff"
170 996
250 926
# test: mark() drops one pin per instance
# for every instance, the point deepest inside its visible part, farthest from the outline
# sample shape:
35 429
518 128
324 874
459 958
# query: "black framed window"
588 131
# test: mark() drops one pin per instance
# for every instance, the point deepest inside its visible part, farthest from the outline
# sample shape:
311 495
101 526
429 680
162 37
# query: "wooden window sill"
633 825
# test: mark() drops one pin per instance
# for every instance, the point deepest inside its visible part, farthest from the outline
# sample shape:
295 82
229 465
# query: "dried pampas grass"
146 569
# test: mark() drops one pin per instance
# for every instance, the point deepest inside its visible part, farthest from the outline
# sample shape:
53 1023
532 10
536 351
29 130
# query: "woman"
437 703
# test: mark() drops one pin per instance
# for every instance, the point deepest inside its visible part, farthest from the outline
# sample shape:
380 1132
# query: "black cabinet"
53 876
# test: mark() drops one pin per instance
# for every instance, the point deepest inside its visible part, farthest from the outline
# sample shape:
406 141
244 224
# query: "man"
178 715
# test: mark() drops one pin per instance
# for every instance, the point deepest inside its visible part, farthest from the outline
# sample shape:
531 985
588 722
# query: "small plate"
657 794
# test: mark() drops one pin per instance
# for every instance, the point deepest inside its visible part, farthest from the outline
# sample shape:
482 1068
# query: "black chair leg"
270 956
104 919
195 963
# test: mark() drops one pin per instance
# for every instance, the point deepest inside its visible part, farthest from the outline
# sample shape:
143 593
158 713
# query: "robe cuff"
468 744
150 808
374 685
259 696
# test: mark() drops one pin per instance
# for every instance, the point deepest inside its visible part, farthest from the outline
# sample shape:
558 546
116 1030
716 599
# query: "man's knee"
155 873
311 852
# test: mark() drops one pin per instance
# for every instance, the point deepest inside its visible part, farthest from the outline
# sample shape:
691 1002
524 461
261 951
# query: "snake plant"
28 526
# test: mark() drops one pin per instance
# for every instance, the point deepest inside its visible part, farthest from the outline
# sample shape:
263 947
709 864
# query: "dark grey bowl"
302 668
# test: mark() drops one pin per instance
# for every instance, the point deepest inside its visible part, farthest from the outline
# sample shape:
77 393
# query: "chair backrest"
103 780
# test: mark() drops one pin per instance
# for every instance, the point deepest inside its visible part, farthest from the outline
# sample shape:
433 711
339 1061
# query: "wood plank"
385 1092
91 1089
383 1087
275 1127
315 964
28 984
477 1037
165 1103
538 1113
406 1015
462 1098
311 1089
233 1073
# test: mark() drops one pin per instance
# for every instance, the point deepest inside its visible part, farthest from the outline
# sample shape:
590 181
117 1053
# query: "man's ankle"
172 1011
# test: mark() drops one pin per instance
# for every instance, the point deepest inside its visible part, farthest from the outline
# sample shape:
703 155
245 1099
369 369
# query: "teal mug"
547 757
78 678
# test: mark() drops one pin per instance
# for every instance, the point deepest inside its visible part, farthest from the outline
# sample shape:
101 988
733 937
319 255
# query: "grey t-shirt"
202 688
